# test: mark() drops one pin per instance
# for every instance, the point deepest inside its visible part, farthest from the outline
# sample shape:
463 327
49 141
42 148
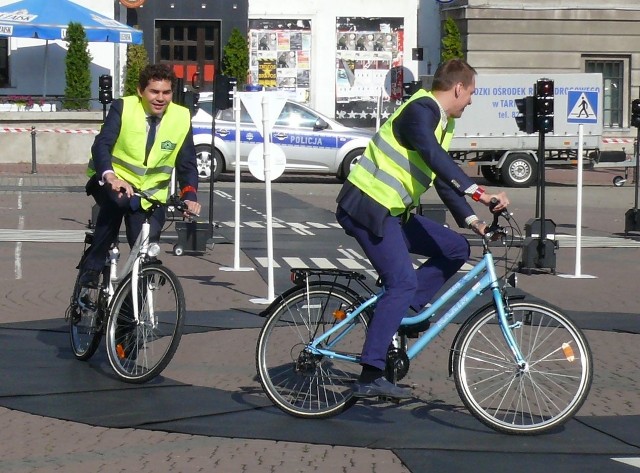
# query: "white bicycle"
140 309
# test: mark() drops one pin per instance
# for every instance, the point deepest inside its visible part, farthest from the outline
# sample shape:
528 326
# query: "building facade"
558 36
350 59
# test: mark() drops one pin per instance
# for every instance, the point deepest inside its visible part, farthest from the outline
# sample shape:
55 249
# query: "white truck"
487 135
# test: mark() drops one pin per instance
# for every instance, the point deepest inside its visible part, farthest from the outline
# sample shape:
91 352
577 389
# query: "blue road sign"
582 107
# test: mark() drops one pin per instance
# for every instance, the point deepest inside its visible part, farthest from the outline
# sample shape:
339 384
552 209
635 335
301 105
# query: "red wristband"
477 194
187 189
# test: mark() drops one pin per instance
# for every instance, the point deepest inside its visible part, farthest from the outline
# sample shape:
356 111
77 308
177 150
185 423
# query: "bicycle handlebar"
495 228
173 200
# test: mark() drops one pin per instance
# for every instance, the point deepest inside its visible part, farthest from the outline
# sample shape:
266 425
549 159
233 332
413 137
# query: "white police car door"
305 147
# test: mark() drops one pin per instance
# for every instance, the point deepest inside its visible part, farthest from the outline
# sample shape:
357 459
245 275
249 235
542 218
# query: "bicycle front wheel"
85 323
298 381
139 349
533 399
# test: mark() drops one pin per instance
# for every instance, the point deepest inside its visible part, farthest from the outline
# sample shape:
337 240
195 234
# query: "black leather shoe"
380 387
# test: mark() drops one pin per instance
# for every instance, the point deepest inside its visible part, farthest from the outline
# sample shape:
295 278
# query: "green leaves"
137 59
451 41
77 92
235 59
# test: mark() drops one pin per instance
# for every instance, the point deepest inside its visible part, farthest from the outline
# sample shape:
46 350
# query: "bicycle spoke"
544 393
140 347
299 380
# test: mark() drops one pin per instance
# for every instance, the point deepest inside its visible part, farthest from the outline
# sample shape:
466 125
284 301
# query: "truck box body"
487 132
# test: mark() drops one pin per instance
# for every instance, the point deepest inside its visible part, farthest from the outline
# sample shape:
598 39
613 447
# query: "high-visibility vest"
392 175
128 154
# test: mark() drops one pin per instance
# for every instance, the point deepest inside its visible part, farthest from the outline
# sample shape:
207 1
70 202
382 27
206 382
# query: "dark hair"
156 72
450 72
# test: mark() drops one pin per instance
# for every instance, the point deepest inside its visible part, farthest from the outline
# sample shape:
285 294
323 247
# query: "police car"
312 142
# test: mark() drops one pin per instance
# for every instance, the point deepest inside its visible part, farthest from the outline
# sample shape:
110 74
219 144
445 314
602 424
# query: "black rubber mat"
382 426
40 376
463 462
137 407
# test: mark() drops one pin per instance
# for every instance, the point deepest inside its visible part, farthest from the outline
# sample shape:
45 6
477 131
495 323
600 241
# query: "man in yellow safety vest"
143 139
407 156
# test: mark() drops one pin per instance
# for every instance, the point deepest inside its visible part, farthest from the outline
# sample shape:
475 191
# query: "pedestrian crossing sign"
582 107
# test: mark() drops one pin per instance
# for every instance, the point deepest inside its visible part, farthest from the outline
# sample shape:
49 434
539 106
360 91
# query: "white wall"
26 66
322 14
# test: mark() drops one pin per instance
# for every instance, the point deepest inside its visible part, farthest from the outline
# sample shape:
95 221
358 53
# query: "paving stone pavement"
225 359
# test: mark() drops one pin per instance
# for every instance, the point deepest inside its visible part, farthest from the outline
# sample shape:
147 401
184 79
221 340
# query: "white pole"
379 109
266 134
578 268
236 234
579 203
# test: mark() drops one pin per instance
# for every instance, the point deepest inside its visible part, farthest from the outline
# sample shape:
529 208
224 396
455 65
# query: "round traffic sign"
277 161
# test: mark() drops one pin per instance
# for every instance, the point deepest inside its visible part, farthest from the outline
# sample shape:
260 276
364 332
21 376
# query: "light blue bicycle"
520 367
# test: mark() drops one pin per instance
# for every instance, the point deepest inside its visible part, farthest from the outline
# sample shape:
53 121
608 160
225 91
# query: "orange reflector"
120 351
339 314
568 352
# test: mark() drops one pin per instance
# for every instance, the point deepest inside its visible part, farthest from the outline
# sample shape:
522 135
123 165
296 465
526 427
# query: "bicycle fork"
504 314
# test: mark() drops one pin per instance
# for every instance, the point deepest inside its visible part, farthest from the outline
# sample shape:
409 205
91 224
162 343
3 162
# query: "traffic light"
635 113
105 92
544 105
223 91
191 99
526 118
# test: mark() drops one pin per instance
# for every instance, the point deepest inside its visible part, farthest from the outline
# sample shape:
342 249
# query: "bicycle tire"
543 396
297 382
85 327
139 351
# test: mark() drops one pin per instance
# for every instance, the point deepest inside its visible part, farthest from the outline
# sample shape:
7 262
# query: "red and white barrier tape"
81 131
617 140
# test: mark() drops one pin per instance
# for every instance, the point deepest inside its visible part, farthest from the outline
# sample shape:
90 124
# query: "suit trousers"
113 210
405 286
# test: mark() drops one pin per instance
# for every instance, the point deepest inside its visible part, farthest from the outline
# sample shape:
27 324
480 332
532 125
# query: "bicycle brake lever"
502 213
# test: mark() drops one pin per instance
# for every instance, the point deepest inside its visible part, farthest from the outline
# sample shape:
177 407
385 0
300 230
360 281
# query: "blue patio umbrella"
49 19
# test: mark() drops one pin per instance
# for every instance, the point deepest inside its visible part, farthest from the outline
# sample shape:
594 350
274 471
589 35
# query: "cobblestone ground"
225 359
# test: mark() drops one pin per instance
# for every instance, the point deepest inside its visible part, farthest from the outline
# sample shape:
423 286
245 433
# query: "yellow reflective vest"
128 154
392 175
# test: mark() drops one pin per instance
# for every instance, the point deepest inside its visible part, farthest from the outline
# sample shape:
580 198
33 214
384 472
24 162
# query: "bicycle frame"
485 270
132 265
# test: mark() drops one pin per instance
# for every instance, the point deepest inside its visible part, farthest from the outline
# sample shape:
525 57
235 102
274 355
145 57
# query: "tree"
77 92
235 57
451 41
137 59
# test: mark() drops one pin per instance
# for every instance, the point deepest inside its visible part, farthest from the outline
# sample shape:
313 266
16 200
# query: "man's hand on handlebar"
497 202
118 186
193 209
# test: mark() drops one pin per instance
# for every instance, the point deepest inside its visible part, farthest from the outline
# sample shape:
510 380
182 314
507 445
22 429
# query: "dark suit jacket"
186 162
414 129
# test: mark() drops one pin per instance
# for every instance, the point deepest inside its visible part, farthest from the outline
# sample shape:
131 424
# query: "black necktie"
151 135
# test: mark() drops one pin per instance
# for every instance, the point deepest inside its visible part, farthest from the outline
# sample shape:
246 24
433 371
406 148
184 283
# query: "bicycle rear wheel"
543 395
299 382
139 350
85 324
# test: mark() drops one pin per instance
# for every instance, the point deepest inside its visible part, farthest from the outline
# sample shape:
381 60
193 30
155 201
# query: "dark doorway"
192 48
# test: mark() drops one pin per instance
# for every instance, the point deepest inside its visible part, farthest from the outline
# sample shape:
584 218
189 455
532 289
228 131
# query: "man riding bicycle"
120 161
405 157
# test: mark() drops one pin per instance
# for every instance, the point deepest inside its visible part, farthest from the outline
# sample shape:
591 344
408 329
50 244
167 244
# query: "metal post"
635 172
33 150
541 174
